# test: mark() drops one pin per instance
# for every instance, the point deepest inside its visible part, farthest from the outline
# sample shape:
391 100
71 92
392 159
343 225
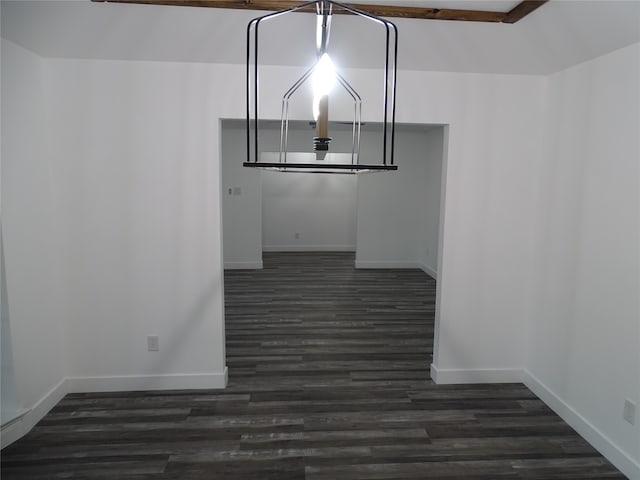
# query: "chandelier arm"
357 109
300 81
388 26
359 12
394 83
250 26
386 97
252 29
284 127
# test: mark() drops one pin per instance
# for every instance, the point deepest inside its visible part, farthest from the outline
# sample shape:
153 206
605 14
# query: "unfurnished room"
288 240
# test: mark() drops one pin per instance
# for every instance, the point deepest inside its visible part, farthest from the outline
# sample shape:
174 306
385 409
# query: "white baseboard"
473 375
148 382
45 404
23 423
393 264
243 265
385 264
308 248
602 443
13 429
428 270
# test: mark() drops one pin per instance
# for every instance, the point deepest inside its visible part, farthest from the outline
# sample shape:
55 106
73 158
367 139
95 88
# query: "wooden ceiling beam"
522 10
390 11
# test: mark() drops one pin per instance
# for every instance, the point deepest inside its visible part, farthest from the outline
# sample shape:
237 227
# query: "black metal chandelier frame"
325 8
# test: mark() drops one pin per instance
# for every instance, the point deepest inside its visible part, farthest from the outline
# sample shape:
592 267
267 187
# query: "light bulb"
324 78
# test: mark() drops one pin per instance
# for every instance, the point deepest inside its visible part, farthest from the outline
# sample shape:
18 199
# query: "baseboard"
22 424
428 270
385 264
308 248
13 429
393 264
243 265
475 375
126 383
602 443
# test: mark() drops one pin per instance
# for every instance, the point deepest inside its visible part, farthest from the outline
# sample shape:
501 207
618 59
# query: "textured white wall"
584 330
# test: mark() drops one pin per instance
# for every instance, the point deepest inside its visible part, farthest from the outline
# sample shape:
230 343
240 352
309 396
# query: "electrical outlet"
296 236
230 191
153 343
237 190
629 411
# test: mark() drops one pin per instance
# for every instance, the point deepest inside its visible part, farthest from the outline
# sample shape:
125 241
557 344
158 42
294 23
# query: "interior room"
170 313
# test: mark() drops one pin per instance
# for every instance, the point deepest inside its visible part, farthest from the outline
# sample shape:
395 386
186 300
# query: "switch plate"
153 343
629 411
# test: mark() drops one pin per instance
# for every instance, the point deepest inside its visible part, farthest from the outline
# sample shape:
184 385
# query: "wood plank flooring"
329 380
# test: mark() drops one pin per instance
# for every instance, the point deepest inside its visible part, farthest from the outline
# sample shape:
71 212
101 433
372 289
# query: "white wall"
136 153
320 209
36 279
398 213
241 201
584 328
434 159
270 208
489 202
10 407
493 149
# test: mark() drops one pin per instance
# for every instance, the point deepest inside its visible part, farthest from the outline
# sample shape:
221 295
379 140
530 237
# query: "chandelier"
324 77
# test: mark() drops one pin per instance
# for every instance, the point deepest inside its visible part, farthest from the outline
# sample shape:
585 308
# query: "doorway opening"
380 220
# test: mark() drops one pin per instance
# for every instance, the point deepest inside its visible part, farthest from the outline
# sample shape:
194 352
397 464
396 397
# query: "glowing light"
324 78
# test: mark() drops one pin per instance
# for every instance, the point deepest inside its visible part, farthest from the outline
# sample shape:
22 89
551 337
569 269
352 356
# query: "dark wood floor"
329 380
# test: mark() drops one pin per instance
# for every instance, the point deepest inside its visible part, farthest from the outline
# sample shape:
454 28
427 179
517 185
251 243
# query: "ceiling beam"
392 11
522 10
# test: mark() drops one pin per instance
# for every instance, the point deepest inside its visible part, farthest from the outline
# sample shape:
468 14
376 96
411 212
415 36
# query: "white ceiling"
557 35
